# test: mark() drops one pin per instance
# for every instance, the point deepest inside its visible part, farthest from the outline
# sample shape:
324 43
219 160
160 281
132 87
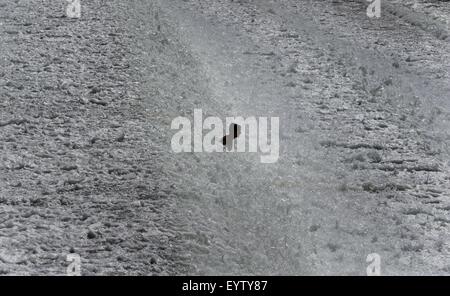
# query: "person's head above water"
235 130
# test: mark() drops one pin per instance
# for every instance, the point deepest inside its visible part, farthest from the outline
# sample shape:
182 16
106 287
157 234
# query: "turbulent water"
85 138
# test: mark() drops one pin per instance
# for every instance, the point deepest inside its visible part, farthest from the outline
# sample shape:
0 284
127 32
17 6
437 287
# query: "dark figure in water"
235 131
